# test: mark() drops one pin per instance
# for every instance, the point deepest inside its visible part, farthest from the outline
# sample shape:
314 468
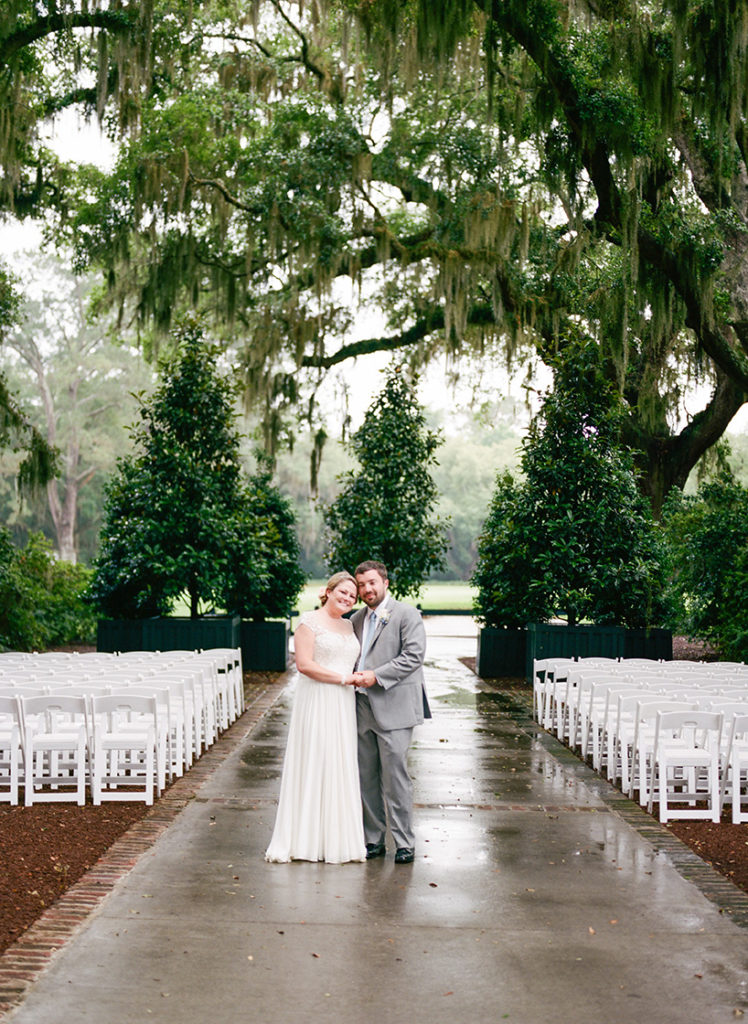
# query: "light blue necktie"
371 624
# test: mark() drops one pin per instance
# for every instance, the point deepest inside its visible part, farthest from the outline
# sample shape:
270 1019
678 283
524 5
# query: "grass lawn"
452 596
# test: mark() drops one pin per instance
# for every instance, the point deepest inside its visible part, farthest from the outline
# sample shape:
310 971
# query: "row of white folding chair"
654 735
700 688
574 697
170 759
214 690
109 741
637 758
612 728
226 666
60 704
196 673
544 675
201 700
594 699
584 712
198 701
553 687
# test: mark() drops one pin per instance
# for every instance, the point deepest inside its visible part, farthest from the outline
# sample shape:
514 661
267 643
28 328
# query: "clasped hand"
364 679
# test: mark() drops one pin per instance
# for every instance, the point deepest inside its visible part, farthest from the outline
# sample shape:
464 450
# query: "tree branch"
112 21
433 321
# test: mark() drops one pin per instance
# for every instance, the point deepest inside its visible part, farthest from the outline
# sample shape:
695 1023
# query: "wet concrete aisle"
530 899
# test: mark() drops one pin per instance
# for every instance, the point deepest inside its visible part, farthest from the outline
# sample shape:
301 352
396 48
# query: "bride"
319 809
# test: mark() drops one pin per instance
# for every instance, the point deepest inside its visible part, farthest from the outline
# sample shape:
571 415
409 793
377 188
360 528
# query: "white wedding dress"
319 809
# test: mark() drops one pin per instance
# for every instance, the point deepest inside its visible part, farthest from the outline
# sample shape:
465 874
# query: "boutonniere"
384 617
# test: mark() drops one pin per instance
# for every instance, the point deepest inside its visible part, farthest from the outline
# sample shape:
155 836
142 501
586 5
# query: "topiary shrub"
574 538
179 520
386 509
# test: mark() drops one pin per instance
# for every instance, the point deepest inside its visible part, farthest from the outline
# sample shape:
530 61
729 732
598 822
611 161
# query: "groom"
390 700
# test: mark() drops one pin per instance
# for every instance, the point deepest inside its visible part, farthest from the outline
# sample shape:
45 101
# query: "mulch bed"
45 848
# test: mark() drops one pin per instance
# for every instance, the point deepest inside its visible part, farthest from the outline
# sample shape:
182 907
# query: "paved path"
537 894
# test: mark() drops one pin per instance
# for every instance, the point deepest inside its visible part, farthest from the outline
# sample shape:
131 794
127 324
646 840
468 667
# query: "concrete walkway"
537 894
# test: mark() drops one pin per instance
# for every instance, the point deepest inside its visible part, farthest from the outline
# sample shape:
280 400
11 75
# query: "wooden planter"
553 641
174 633
502 651
264 645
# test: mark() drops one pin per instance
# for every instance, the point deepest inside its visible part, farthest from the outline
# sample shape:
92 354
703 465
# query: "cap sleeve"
310 620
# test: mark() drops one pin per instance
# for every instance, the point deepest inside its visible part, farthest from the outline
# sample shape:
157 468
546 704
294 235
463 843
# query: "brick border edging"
714 886
23 962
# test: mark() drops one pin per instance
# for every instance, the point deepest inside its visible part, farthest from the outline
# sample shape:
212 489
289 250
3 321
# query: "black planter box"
501 652
648 643
264 645
119 635
174 633
552 641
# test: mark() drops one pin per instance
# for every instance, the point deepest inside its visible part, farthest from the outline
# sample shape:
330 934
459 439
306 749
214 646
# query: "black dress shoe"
404 855
375 850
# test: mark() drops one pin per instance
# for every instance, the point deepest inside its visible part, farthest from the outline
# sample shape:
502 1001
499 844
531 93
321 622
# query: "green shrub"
41 599
268 577
708 538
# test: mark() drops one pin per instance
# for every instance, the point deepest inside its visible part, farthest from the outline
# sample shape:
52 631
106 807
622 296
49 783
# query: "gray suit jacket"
396 652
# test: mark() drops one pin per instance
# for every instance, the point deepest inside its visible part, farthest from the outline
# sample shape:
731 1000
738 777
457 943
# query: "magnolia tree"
386 509
574 537
180 520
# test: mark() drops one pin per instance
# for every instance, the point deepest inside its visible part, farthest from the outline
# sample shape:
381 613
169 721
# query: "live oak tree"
386 507
485 172
521 165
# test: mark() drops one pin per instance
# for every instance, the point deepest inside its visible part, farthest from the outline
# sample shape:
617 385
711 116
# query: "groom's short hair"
367 566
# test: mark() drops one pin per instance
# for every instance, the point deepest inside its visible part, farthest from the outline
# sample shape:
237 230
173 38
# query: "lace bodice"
334 650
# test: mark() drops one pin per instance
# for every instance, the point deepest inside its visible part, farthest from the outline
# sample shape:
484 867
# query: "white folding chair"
165 724
54 741
640 775
591 711
735 766
229 660
10 749
616 730
686 764
124 728
544 672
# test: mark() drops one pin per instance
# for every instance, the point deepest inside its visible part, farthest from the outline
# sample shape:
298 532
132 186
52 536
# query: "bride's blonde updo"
333 582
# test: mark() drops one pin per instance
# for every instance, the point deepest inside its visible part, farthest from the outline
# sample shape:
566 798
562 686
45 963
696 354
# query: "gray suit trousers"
386 786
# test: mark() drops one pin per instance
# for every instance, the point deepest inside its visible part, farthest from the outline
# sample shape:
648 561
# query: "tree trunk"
64 516
666 462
